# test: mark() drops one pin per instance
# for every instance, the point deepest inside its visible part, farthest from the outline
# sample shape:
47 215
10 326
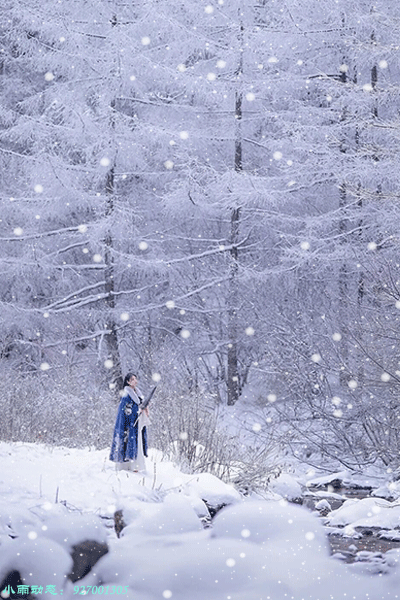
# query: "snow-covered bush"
190 432
55 411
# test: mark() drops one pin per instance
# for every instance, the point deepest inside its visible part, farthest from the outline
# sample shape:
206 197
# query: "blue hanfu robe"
124 445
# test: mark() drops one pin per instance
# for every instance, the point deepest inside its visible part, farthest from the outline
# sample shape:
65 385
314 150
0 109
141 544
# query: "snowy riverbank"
53 499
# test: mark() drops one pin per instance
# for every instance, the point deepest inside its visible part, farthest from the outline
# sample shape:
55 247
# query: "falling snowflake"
367 87
45 366
372 246
132 78
184 135
245 533
46 315
124 316
145 40
273 60
181 68
211 76
32 535
336 400
230 562
316 357
209 9
38 188
277 155
336 337
170 304
143 245
49 76
97 258
183 436
105 162
185 333
383 64
256 427
299 62
18 231
221 64
271 398
385 377
167 594
338 413
250 97
108 363
169 164
305 245
343 68
310 535
352 384
156 377
82 228
249 331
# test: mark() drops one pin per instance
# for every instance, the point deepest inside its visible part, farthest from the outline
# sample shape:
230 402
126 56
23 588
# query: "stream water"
367 543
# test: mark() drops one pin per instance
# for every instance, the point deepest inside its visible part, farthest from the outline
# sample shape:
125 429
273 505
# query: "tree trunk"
115 371
343 273
233 386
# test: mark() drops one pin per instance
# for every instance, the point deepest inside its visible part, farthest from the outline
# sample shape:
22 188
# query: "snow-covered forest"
205 194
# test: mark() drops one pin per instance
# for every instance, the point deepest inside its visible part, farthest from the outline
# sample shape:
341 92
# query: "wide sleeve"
117 453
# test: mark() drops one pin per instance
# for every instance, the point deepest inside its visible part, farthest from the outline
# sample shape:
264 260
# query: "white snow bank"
256 551
286 486
174 515
70 529
191 568
325 480
390 491
272 522
39 561
37 474
348 479
368 512
212 490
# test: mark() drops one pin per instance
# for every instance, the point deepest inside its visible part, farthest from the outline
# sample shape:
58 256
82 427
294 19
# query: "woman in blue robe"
129 443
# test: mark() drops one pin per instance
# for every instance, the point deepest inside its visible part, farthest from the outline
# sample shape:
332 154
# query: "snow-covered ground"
54 498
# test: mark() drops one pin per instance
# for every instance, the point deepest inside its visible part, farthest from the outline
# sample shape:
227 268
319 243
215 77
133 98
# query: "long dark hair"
127 378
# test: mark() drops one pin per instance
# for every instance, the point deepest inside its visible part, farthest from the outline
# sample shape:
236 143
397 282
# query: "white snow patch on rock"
286 486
